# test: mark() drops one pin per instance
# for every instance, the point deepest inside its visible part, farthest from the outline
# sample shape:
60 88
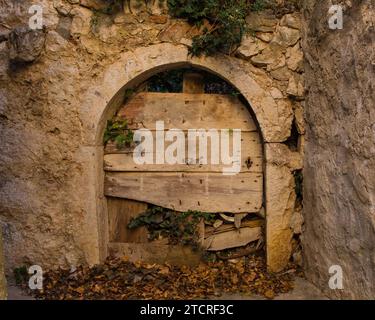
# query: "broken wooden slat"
201 231
120 212
187 111
232 239
156 253
209 231
206 192
238 218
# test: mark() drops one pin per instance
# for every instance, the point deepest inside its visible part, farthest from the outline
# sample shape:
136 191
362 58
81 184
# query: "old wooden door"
186 186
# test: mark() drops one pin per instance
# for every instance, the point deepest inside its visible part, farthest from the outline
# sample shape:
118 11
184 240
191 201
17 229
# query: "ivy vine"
222 23
177 227
117 131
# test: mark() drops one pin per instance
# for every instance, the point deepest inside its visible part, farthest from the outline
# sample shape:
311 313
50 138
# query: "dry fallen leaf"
121 279
269 294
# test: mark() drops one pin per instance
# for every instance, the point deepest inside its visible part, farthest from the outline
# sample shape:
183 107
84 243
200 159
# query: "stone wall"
339 174
58 87
3 288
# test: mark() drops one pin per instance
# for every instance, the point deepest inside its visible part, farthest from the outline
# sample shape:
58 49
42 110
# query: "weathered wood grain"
120 212
186 186
251 144
209 231
232 239
156 253
207 192
251 157
193 82
187 111
125 163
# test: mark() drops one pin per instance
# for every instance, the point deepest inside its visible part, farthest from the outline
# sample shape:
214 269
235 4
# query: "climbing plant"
177 227
167 81
222 23
112 7
172 81
117 131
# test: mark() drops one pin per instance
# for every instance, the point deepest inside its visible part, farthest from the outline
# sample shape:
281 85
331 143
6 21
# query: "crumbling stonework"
25 45
53 112
339 173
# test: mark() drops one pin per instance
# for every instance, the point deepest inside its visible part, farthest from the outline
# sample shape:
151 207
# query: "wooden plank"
232 239
120 212
251 148
251 143
193 82
125 163
209 231
156 253
187 111
206 192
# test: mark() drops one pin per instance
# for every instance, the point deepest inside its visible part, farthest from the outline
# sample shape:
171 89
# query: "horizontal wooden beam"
206 192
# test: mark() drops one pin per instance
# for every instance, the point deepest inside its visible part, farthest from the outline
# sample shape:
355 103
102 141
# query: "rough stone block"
25 45
280 203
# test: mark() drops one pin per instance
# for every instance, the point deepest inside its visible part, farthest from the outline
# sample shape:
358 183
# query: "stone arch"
106 95
132 68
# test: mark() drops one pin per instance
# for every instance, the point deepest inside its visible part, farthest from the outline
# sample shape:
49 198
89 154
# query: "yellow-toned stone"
286 37
250 46
262 23
294 58
81 23
52 143
291 20
295 86
280 203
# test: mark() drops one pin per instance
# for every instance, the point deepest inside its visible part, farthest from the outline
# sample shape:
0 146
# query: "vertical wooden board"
120 212
193 83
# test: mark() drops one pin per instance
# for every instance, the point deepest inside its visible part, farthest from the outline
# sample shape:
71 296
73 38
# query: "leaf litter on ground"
120 279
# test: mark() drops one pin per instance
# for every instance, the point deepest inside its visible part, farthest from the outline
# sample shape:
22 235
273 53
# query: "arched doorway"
198 151
104 98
